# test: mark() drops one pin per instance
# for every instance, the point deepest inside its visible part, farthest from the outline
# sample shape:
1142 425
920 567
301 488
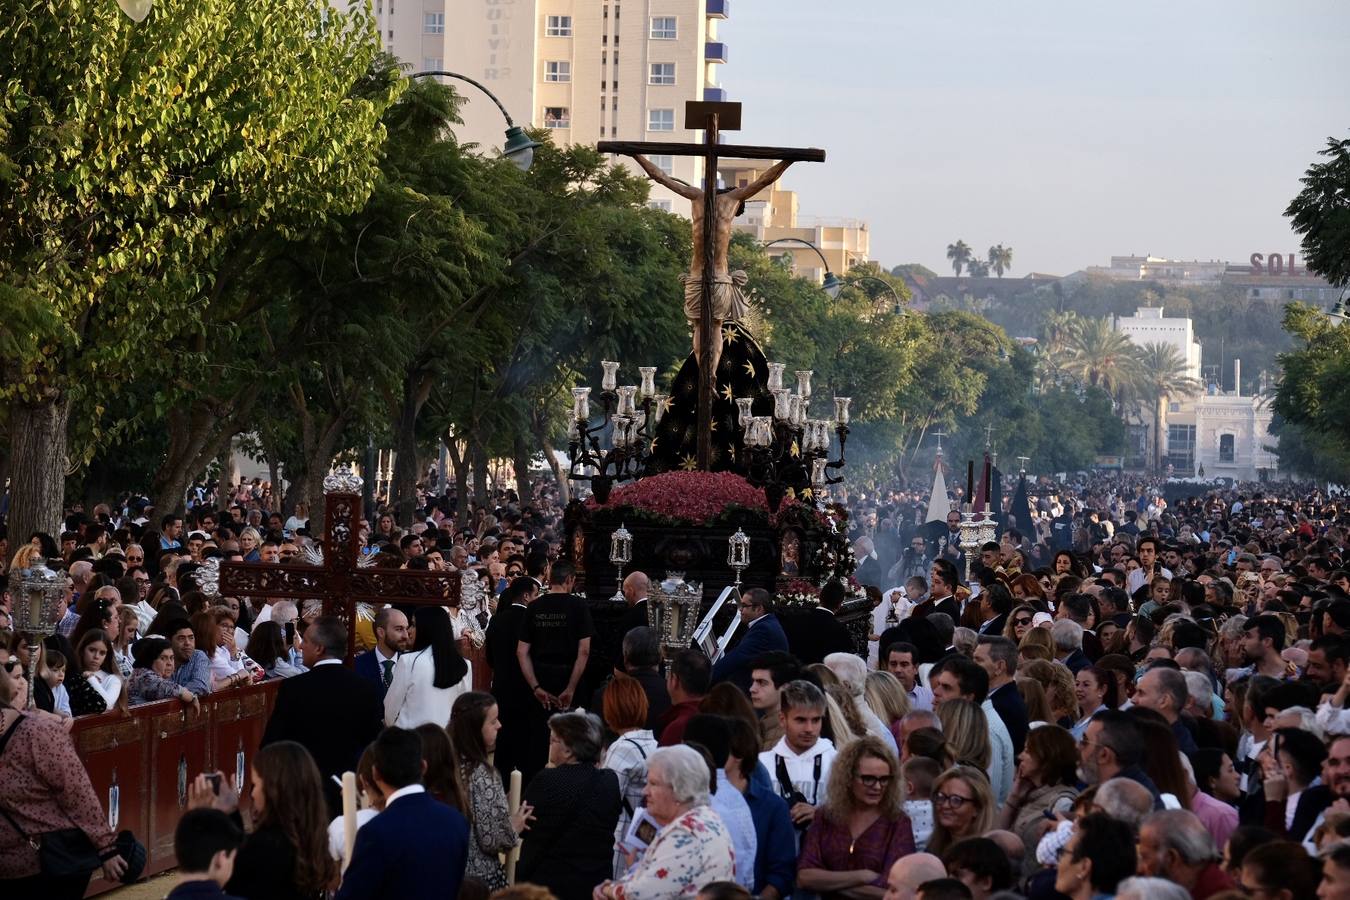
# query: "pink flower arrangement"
694 497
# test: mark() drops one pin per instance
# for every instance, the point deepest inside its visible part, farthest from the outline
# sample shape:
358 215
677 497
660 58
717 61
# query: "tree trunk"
1158 417
228 476
37 468
403 490
459 461
198 434
478 457
564 485
522 463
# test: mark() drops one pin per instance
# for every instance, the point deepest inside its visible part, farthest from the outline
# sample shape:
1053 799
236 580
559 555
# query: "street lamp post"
832 284
518 148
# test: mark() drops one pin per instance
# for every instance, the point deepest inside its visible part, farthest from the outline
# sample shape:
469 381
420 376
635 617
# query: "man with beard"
1112 747
1262 642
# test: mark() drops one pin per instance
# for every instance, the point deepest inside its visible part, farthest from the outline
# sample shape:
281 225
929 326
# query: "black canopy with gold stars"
742 371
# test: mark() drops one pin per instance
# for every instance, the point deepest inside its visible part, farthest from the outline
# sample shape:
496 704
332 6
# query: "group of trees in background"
998 260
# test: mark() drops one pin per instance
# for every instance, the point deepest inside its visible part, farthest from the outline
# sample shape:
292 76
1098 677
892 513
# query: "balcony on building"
719 9
715 52
715 94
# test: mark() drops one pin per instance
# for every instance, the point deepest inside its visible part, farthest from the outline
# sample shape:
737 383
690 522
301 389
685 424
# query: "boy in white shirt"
799 764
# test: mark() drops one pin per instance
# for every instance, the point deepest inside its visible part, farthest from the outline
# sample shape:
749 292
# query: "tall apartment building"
587 70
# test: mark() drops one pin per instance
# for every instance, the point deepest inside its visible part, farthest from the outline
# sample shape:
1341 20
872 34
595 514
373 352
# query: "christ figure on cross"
729 303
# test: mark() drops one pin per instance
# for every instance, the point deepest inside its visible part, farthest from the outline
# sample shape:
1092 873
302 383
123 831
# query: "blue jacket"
368 667
776 854
417 847
763 635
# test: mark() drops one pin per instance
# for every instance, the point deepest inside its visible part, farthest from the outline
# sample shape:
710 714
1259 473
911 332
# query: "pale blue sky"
1069 131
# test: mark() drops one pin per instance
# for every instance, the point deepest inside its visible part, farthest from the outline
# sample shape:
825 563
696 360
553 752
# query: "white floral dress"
691 851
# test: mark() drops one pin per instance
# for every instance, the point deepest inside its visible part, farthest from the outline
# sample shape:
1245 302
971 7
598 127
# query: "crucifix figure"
713 215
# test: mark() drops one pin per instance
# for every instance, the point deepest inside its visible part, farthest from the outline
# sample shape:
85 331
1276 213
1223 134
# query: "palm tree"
1000 259
959 253
1163 378
1100 356
977 268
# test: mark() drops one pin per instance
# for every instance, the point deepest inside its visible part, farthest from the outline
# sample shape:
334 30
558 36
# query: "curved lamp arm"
881 281
518 148
831 284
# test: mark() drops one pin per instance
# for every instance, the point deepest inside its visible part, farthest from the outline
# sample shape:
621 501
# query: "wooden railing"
141 765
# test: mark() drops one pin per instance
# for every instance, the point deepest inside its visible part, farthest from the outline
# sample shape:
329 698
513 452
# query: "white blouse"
413 700
108 685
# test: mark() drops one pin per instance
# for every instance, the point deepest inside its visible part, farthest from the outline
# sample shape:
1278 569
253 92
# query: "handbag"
61 854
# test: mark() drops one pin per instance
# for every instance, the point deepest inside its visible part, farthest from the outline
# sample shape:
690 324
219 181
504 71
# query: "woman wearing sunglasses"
861 829
963 806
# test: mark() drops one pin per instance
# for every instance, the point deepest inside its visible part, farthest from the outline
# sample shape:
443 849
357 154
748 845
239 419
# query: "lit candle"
841 409
581 403
776 375
648 381
611 376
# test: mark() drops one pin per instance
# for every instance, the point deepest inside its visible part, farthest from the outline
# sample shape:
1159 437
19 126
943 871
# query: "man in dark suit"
998 657
641 662
942 592
391 638
330 710
508 685
995 604
817 633
763 634
417 846
869 569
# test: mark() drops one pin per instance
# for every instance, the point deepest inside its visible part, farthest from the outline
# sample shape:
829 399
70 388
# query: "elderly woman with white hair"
851 671
692 847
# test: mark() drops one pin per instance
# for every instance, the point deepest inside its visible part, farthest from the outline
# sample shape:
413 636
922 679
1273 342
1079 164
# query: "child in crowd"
55 676
919 773
205 843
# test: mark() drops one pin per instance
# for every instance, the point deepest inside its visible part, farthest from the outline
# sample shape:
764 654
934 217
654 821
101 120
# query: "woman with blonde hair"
1036 644
1059 686
1033 695
250 543
860 830
1019 620
963 806
967 732
886 695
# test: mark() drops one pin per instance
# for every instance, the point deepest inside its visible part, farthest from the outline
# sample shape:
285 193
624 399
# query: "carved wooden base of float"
141 765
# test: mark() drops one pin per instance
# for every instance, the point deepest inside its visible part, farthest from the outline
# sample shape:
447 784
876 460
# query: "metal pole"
707 384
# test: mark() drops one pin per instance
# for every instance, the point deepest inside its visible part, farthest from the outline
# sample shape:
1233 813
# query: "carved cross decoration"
339 583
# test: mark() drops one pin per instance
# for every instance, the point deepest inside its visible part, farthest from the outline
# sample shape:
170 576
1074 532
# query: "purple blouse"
830 846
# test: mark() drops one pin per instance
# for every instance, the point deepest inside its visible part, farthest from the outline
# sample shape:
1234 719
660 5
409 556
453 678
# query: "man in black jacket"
816 633
508 685
330 710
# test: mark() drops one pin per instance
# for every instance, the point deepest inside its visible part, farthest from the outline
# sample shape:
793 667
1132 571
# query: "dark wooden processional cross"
713 119
339 582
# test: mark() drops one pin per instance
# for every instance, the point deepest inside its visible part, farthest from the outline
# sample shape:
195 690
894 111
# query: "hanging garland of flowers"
690 498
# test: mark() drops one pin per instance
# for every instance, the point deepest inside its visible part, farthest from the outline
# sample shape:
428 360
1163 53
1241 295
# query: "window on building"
433 23
663 28
663 205
558 71
557 117
558 26
662 73
1226 447
664 162
432 64
1181 448
660 120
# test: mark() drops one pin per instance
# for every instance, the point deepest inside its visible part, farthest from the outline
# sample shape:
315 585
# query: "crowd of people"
1127 697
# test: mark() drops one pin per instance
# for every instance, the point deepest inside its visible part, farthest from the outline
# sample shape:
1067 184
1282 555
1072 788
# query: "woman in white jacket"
428 679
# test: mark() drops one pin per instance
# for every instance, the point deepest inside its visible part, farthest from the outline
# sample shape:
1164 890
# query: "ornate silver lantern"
621 554
738 554
673 608
36 593
343 480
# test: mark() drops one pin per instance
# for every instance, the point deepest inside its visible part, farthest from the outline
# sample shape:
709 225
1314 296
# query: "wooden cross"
339 582
939 434
712 118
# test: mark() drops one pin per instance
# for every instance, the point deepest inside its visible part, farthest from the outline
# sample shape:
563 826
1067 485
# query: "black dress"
569 848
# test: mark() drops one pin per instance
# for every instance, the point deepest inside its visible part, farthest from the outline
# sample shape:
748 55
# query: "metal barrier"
141 764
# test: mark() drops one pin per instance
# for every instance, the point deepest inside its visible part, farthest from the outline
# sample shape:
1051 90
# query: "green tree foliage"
1000 259
1321 213
960 254
1162 378
1311 395
133 160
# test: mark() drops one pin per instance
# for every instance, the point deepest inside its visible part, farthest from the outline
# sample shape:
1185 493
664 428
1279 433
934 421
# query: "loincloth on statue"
729 303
